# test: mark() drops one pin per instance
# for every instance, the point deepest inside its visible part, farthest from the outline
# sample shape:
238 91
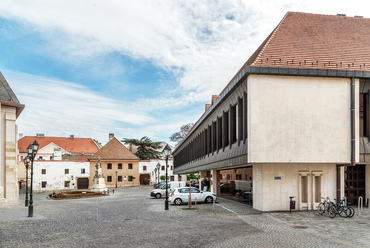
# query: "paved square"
130 218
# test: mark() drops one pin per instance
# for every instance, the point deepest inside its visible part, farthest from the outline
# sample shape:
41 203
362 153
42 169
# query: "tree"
179 136
191 177
146 149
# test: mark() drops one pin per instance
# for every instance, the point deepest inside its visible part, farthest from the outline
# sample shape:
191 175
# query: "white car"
181 195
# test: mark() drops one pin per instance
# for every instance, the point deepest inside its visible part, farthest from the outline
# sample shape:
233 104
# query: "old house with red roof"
61 162
295 117
10 109
120 166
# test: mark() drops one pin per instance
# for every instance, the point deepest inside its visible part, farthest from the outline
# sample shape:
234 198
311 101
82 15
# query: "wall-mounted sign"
277 178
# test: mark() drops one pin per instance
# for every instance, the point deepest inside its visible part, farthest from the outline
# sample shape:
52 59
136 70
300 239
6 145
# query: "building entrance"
355 183
237 184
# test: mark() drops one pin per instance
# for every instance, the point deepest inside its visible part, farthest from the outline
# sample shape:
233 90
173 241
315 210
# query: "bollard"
292 204
360 205
214 203
345 200
195 203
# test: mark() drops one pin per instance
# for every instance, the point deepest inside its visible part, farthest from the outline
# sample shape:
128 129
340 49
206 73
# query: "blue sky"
132 68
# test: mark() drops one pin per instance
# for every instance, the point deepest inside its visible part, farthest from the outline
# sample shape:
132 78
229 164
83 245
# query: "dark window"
171 167
40 157
240 120
144 168
66 171
109 166
186 190
120 166
43 184
245 116
172 178
66 184
83 171
214 133
232 124
119 178
226 129
109 178
130 178
219 133
43 171
130 166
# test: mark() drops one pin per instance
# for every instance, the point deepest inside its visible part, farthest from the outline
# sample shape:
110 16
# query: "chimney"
214 98
111 136
208 106
130 147
20 136
71 136
40 135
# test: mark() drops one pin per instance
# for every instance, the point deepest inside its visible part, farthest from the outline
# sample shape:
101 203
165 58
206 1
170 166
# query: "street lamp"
166 153
26 163
116 179
155 176
158 169
32 151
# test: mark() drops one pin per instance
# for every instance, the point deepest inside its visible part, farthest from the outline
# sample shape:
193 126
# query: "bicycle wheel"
352 212
344 212
321 208
332 211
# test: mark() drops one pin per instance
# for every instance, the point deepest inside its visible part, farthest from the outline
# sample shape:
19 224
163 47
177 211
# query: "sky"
133 68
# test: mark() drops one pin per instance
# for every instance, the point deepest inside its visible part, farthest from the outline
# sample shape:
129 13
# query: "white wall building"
60 175
148 167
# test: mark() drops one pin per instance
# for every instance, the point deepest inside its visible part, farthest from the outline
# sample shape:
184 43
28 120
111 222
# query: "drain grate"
300 227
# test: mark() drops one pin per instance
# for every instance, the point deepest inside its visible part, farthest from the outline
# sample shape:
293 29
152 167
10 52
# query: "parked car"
158 193
181 195
225 187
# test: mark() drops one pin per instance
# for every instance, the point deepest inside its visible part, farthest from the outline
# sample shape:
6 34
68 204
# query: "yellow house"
120 167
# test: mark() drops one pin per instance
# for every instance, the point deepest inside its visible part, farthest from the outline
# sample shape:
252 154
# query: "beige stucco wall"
8 157
299 119
270 194
124 172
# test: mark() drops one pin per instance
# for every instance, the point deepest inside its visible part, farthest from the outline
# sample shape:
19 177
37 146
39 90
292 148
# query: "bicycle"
324 206
339 208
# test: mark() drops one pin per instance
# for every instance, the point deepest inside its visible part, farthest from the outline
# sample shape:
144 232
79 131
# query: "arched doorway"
144 179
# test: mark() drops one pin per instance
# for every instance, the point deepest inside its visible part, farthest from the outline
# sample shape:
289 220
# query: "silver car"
181 195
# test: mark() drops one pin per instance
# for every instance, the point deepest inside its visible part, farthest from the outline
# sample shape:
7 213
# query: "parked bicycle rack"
360 205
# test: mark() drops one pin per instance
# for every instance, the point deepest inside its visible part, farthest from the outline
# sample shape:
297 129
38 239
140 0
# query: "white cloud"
203 43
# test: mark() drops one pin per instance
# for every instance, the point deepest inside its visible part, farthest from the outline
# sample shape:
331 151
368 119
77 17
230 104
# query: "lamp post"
116 179
32 151
158 169
155 177
26 163
166 153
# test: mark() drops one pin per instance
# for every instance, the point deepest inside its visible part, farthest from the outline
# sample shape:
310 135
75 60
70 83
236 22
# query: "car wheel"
209 199
177 201
158 195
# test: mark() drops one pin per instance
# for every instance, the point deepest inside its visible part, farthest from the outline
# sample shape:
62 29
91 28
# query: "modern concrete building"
10 109
294 118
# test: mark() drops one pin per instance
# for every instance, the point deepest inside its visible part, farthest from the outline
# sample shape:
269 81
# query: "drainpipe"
353 128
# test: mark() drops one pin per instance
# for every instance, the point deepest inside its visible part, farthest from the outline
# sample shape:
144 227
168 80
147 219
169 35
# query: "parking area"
131 218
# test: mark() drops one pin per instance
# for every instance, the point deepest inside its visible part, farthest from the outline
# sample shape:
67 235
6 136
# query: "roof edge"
278 71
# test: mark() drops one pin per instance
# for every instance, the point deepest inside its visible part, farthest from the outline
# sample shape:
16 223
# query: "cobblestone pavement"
130 218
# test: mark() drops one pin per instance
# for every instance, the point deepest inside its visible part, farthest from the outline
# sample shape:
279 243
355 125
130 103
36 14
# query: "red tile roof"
315 41
303 40
114 150
75 145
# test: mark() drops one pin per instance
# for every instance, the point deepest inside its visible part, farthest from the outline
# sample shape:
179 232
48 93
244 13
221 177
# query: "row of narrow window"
224 131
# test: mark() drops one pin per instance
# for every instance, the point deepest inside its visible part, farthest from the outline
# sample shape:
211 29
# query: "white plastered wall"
273 184
299 119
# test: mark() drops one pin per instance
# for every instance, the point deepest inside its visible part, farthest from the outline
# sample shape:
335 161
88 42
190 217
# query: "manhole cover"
300 227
